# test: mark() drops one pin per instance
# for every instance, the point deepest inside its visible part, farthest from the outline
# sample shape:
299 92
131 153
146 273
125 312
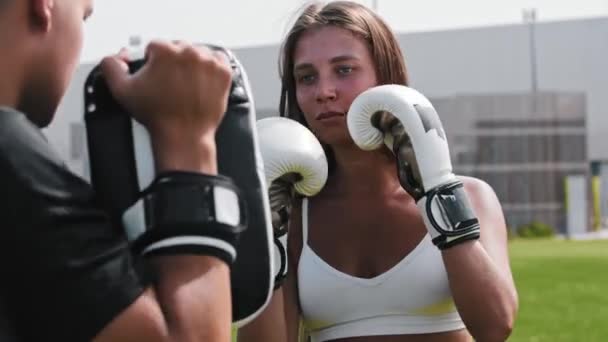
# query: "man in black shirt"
67 273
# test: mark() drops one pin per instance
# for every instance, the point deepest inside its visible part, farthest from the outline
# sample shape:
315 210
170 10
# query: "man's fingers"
123 55
222 57
116 73
157 49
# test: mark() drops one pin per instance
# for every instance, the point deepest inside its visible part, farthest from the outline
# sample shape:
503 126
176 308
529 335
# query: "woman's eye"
306 79
345 70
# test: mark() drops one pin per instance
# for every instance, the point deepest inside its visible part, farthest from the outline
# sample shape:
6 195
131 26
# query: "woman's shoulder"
484 200
477 187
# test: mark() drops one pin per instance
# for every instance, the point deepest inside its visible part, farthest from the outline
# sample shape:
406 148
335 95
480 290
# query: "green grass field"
563 290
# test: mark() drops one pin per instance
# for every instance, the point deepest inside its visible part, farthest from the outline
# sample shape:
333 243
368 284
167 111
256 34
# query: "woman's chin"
336 139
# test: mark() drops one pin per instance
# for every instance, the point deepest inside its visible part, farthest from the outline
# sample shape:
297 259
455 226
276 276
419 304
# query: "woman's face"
331 67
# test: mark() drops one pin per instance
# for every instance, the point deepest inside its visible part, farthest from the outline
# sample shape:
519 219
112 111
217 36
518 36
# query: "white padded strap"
193 240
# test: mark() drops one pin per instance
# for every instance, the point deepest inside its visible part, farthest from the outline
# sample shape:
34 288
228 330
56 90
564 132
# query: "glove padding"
115 139
407 123
294 164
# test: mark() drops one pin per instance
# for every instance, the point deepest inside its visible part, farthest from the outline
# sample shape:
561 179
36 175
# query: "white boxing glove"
408 124
294 163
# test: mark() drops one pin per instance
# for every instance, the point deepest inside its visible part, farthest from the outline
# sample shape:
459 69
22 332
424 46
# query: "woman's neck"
359 172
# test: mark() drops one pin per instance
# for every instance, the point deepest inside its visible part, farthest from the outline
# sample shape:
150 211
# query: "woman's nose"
326 91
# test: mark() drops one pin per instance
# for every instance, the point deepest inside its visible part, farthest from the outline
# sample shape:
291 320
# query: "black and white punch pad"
121 165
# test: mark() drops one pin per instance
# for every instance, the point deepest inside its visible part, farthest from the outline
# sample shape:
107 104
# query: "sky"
241 23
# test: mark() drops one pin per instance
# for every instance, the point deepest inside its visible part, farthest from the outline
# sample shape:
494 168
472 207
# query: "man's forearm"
193 293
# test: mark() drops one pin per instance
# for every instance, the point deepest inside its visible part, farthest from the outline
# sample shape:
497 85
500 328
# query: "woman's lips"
329 115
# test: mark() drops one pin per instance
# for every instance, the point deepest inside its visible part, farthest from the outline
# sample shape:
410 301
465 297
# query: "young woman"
362 264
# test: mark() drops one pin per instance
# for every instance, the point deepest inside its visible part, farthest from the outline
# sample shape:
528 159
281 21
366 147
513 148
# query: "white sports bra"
413 297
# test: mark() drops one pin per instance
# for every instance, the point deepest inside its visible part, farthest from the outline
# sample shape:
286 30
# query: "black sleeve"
66 271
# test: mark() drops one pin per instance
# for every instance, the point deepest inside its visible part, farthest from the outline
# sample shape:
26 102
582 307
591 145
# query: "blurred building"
523 145
524 106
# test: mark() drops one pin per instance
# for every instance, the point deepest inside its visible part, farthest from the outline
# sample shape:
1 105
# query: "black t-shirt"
66 272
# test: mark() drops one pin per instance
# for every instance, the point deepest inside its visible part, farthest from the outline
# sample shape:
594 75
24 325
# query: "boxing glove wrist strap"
280 220
280 255
187 213
448 215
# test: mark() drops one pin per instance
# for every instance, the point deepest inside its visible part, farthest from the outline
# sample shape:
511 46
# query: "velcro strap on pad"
187 210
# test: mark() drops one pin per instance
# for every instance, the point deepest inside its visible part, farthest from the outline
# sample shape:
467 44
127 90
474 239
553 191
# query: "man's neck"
14 41
9 86
13 66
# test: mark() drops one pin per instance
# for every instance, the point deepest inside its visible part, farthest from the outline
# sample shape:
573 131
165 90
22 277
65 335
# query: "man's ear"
40 13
